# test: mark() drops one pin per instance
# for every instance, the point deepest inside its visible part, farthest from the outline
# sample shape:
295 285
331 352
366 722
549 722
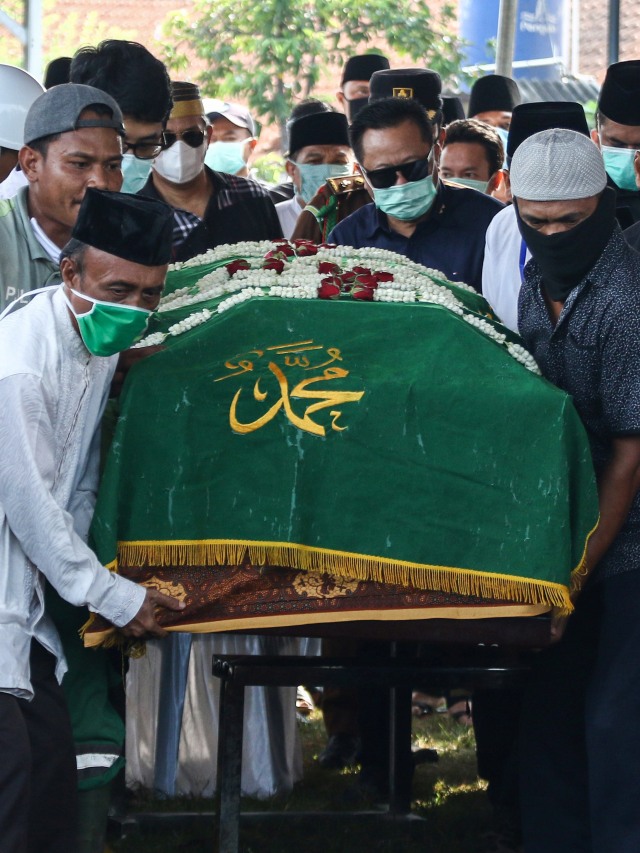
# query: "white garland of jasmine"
524 357
300 279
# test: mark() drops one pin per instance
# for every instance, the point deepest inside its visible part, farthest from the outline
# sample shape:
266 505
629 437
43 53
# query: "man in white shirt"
505 253
319 149
57 358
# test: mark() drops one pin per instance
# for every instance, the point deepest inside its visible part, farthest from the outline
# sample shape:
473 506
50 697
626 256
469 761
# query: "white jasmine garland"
300 279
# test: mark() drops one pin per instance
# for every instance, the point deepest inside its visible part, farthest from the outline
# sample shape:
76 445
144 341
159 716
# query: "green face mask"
406 201
109 327
481 186
618 163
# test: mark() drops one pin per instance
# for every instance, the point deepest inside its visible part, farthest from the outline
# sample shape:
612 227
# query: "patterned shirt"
239 209
593 353
183 224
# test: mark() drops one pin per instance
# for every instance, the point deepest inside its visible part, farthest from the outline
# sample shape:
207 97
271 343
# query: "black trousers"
580 735
38 799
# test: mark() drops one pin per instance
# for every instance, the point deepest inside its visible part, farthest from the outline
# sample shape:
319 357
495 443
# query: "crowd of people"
110 172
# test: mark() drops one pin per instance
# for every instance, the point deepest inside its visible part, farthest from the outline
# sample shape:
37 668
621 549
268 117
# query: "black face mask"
565 258
355 105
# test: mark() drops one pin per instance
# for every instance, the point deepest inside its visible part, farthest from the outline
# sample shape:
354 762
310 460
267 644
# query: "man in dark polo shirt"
210 208
413 213
340 197
579 315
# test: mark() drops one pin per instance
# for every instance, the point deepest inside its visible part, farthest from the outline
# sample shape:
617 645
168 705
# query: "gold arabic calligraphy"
293 356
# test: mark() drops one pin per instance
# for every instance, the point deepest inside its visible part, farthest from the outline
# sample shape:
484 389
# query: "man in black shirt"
579 315
210 208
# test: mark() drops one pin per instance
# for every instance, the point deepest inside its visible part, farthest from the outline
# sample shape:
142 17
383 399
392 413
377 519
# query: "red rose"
366 280
362 292
348 277
329 288
234 266
307 249
362 270
275 254
286 249
383 276
273 264
328 267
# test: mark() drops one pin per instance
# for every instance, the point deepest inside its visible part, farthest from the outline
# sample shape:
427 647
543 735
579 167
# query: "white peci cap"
557 165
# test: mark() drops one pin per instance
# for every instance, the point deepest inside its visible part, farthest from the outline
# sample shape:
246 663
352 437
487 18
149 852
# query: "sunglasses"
193 138
143 150
385 178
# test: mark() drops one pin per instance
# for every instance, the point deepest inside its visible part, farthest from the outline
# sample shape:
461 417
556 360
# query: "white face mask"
181 163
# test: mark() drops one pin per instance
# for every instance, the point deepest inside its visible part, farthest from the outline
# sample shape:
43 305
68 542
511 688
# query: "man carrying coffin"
579 315
57 358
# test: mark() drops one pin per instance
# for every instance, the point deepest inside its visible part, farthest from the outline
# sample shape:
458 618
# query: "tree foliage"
63 32
273 52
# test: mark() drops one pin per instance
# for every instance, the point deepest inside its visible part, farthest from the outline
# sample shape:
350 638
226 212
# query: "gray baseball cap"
58 111
235 113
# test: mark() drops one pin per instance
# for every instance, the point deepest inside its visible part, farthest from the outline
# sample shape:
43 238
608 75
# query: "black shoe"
340 752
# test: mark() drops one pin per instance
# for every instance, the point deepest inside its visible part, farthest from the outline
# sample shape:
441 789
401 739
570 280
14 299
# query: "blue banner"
540 27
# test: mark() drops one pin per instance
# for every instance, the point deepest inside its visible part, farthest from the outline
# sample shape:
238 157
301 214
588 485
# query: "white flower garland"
300 279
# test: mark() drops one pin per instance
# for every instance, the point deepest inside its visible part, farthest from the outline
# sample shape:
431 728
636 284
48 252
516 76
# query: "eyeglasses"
385 178
193 138
143 150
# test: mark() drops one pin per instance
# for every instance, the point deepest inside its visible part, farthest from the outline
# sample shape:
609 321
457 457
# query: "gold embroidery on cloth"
315 585
292 356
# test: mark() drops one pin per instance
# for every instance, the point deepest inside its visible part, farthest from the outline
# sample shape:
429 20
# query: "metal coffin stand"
498 664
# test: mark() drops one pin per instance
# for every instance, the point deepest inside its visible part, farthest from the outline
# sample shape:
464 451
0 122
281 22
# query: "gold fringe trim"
579 574
469 582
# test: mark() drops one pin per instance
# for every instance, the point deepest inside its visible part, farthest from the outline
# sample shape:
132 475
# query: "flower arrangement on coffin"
303 270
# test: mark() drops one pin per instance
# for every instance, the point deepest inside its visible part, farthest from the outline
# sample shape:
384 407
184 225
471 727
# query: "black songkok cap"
620 93
493 93
528 119
361 67
326 128
452 109
128 226
421 84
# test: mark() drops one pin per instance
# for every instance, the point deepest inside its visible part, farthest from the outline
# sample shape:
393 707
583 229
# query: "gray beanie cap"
557 165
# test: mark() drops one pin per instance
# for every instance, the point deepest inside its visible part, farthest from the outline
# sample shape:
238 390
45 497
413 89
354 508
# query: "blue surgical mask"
226 157
618 163
135 171
481 186
315 175
406 201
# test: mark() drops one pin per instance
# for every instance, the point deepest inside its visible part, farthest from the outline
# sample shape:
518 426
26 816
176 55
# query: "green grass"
447 794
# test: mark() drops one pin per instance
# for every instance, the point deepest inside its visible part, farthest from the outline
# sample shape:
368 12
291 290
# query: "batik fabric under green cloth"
375 441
